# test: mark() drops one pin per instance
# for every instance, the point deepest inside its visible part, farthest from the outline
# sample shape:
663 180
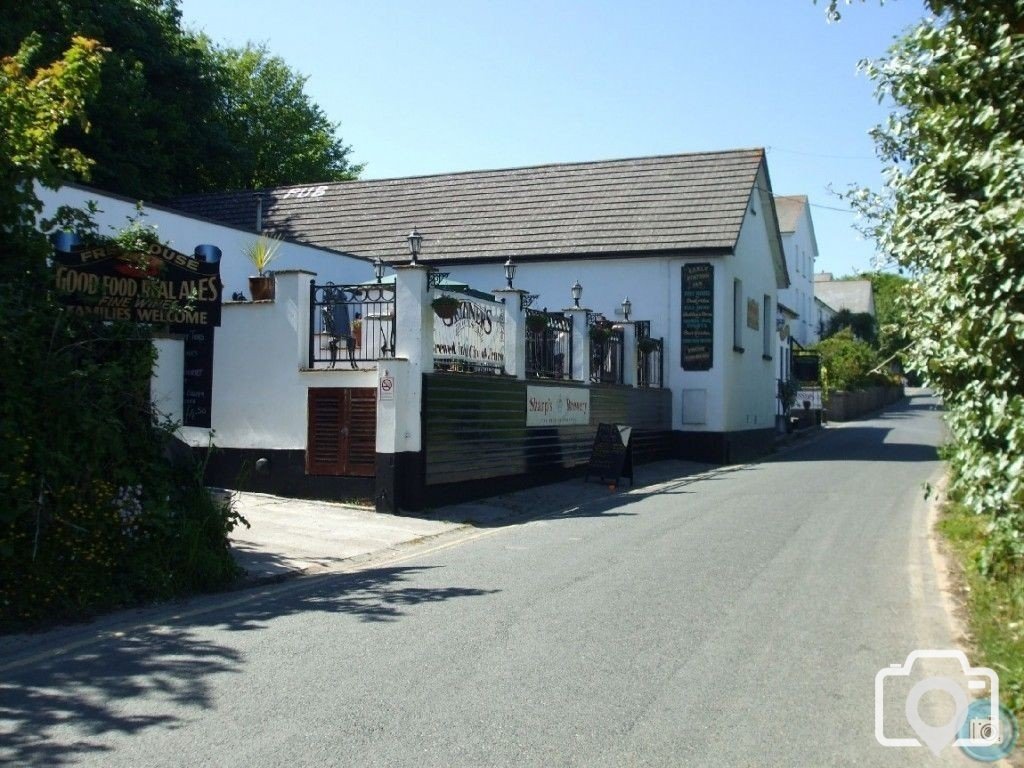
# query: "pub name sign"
160 286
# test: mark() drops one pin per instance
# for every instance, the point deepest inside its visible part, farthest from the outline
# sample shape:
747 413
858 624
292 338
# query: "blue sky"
432 87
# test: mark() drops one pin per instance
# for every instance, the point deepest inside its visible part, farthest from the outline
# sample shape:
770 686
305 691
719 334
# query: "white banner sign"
557 406
476 335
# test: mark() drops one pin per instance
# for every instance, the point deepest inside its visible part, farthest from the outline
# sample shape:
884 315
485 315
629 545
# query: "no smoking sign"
387 388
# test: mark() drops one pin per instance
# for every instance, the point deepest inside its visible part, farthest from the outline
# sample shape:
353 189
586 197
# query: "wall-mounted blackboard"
197 392
698 317
612 454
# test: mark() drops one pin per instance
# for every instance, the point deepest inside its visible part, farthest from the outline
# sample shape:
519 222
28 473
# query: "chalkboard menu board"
197 393
612 454
698 314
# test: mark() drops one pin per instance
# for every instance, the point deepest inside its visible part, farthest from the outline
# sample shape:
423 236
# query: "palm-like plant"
262 251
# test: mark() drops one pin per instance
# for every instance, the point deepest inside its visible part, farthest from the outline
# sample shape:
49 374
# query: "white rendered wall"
184 233
801 249
750 379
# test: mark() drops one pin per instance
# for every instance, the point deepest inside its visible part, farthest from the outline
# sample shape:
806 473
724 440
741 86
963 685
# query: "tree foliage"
861 324
174 115
952 216
849 361
280 135
92 513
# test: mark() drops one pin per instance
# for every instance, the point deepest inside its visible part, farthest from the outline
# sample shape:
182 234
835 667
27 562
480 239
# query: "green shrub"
849 362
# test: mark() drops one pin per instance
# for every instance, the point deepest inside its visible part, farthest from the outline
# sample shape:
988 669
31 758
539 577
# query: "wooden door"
342 432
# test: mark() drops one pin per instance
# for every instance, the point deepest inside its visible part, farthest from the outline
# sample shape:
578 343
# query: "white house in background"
636 228
855 295
801 248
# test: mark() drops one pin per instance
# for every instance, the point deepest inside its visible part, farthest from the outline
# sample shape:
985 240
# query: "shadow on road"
159 668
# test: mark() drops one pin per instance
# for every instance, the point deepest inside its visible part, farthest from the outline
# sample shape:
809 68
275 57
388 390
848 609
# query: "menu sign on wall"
197 390
698 317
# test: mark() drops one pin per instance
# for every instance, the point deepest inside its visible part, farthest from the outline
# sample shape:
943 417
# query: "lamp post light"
627 307
577 292
510 272
415 241
378 268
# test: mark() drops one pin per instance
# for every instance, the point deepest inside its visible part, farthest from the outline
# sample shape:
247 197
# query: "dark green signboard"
160 286
698 317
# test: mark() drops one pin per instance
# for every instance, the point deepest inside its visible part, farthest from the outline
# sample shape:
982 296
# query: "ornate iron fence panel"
650 366
349 324
606 348
548 344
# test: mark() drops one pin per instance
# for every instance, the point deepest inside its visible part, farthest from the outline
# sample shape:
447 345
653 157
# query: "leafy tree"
952 215
92 513
861 324
174 115
281 136
848 360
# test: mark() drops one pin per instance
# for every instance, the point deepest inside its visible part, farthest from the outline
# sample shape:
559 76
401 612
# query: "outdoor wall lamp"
627 307
577 292
510 272
378 268
415 241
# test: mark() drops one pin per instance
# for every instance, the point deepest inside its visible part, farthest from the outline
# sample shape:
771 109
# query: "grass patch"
995 606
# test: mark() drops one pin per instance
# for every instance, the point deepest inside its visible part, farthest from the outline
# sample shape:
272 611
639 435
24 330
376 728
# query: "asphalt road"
735 618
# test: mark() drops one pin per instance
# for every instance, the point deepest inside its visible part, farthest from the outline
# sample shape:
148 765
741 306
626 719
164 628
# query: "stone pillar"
628 353
399 481
515 331
580 343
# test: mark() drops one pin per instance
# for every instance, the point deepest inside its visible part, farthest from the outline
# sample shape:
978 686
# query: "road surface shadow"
57 711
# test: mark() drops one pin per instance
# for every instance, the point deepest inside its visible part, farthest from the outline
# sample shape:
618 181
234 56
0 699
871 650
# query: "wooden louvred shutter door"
362 432
325 444
342 432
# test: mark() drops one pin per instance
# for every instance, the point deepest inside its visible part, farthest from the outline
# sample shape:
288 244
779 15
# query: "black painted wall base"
283 474
724 447
399 484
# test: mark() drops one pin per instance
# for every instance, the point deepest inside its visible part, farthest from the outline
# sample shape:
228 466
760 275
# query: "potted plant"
261 252
646 344
445 307
537 323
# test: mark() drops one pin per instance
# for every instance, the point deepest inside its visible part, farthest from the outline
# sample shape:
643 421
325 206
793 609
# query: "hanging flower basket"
537 323
600 333
647 344
445 307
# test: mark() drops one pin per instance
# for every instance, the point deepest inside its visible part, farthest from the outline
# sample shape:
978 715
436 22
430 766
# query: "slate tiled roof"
635 206
788 209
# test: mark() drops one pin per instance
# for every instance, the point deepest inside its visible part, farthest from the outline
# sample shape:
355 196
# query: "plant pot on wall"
445 307
262 288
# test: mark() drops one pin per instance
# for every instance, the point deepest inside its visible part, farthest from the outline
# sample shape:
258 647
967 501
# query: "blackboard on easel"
611 458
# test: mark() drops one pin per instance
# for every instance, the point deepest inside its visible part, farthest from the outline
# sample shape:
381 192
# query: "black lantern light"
378 268
627 307
510 272
415 241
577 292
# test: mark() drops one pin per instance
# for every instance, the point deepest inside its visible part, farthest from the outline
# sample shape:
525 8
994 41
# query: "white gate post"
580 343
515 330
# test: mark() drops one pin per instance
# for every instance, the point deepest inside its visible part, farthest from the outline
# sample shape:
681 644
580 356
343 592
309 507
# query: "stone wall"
847 406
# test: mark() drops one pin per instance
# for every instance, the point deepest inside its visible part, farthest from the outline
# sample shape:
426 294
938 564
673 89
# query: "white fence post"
515 330
628 353
580 343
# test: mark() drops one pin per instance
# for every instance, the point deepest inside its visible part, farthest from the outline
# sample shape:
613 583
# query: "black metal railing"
548 344
650 366
349 324
606 350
